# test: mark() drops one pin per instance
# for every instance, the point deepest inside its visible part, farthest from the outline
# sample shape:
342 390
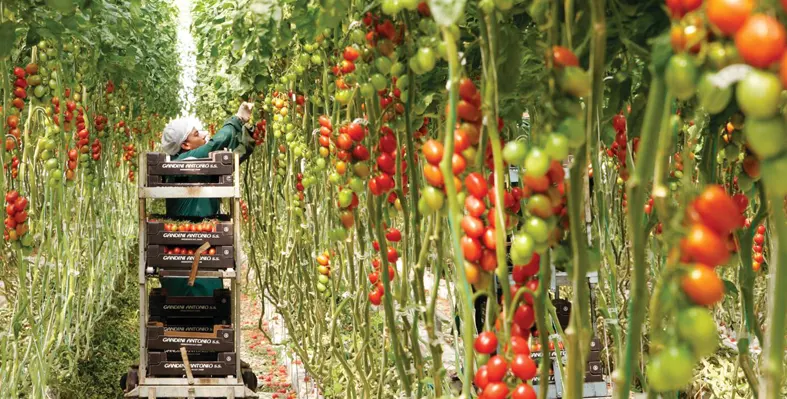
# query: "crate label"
191 341
190 165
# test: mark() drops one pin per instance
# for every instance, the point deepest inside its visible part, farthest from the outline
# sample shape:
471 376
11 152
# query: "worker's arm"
226 137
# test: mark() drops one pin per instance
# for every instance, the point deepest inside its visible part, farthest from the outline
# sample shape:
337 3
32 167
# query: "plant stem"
637 185
773 365
468 328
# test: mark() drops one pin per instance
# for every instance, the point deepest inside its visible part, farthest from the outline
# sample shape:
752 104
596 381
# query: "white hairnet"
176 132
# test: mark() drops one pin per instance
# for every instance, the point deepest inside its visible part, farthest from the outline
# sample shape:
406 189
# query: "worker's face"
193 141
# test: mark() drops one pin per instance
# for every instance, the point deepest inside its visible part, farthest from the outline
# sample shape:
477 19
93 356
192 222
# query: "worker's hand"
244 112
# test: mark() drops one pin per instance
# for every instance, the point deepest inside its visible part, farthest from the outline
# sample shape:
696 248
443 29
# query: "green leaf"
447 12
730 287
7 38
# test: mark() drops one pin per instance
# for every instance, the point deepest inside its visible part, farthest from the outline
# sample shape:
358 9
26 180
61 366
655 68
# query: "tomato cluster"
324 273
20 87
16 227
187 251
259 132
618 150
758 248
490 377
734 33
204 227
130 156
392 235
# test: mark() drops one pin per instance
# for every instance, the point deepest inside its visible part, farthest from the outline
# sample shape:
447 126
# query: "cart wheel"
249 379
129 380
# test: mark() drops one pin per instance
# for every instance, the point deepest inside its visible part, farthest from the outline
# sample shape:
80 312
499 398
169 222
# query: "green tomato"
522 247
557 146
766 137
51 164
538 229
575 81
434 198
383 65
356 185
379 82
504 5
539 205
697 327
574 130
514 152
397 69
361 170
759 94
323 279
426 59
410 5
316 59
402 82
713 98
344 96
321 287
390 7
681 76
671 369
773 172
335 178
536 163
415 66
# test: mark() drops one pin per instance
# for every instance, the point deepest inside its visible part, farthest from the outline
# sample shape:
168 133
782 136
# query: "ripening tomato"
488 260
485 343
761 40
433 175
458 164
469 112
521 273
467 90
705 246
702 285
728 15
351 53
433 151
717 209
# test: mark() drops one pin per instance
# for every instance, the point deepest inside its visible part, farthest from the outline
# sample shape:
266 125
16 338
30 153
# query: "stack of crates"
203 328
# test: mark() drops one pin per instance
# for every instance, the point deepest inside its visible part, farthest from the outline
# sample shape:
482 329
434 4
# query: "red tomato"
472 226
523 391
374 277
761 40
759 239
351 53
376 297
519 345
679 8
481 378
705 246
717 209
468 112
489 239
356 131
393 235
563 57
474 206
488 260
525 316
476 185
393 256
471 248
496 368
523 367
467 90
458 163
495 390
761 229
532 285
485 343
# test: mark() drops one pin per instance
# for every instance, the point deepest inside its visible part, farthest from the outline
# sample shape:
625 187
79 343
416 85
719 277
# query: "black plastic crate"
219 165
157 235
189 311
220 339
158 258
170 364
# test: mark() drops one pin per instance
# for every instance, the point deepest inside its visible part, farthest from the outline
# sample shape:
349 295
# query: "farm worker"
183 139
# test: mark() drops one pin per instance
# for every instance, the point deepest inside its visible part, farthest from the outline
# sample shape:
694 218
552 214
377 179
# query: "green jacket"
231 136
